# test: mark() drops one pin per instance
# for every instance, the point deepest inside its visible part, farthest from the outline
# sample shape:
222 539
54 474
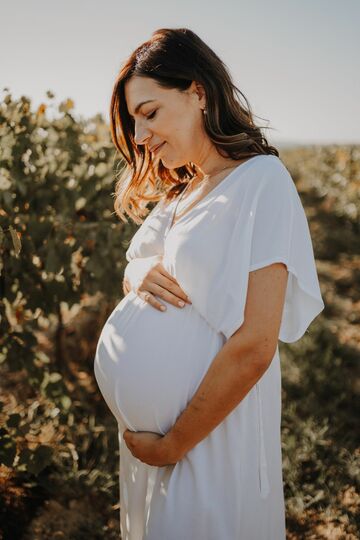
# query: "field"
62 250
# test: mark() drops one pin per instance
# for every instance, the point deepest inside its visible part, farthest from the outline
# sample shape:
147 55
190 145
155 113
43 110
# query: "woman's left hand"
150 448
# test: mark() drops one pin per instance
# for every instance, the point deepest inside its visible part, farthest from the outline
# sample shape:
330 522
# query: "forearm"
229 378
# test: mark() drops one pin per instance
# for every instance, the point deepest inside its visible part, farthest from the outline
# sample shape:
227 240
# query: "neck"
208 179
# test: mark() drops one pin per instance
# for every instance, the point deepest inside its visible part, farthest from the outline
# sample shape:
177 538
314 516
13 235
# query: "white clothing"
149 364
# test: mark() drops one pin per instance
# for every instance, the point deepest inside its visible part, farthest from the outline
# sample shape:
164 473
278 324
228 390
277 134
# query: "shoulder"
270 164
271 174
264 166
266 184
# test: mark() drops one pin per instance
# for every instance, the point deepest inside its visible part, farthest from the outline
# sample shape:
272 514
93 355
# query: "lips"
156 148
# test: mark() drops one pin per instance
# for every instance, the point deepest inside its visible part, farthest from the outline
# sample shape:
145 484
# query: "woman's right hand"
148 278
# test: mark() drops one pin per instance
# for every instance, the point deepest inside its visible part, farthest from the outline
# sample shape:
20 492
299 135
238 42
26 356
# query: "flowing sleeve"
276 230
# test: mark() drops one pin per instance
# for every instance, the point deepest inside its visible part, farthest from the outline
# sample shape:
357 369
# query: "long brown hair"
174 57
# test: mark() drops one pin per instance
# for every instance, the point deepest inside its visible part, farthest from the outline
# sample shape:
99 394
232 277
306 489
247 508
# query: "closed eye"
151 116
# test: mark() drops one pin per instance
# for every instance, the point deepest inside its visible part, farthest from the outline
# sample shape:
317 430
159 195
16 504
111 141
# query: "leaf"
47 433
41 109
44 453
53 261
15 240
7 451
66 106
14 420
54 377
65 403
8 201
39 459
39 230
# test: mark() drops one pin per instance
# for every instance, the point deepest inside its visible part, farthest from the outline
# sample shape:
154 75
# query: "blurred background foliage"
61 267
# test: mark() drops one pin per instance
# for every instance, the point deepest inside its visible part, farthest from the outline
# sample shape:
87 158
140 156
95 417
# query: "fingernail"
181 303
163 308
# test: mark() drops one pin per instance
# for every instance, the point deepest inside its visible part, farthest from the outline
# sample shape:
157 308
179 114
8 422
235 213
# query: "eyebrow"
138 107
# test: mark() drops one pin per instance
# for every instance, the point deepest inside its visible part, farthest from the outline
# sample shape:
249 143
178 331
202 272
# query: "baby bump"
149 364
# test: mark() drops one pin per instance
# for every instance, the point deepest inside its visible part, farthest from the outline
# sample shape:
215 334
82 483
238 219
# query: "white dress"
149 364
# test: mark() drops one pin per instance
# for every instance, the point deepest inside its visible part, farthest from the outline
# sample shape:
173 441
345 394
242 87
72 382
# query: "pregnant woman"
196 390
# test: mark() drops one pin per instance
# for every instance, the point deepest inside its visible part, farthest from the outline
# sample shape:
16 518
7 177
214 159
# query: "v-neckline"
171 225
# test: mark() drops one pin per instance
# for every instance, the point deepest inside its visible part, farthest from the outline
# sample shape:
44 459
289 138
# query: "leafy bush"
61 267
60 244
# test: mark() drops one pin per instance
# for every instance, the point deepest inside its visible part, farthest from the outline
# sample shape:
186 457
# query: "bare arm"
238 365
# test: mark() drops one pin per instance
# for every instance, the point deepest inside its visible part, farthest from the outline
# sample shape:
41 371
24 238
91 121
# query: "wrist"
172 447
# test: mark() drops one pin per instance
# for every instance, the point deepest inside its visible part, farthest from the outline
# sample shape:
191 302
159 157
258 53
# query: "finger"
171 293
160 286
168 282
152 300
164 272
157 277
126 286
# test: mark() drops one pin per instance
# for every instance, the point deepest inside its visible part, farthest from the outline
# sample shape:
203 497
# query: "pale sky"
296 61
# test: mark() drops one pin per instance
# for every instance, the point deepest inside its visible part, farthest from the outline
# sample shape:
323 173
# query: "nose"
141 135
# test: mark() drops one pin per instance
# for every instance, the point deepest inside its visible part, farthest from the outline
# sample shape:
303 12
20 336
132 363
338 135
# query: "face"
171 117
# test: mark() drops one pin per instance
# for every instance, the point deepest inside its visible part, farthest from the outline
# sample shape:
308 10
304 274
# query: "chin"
171 164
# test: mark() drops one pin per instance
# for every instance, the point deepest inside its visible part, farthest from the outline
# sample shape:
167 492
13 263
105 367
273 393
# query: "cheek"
181 136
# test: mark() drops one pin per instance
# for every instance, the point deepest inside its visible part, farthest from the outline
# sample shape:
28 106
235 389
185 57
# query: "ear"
199 90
